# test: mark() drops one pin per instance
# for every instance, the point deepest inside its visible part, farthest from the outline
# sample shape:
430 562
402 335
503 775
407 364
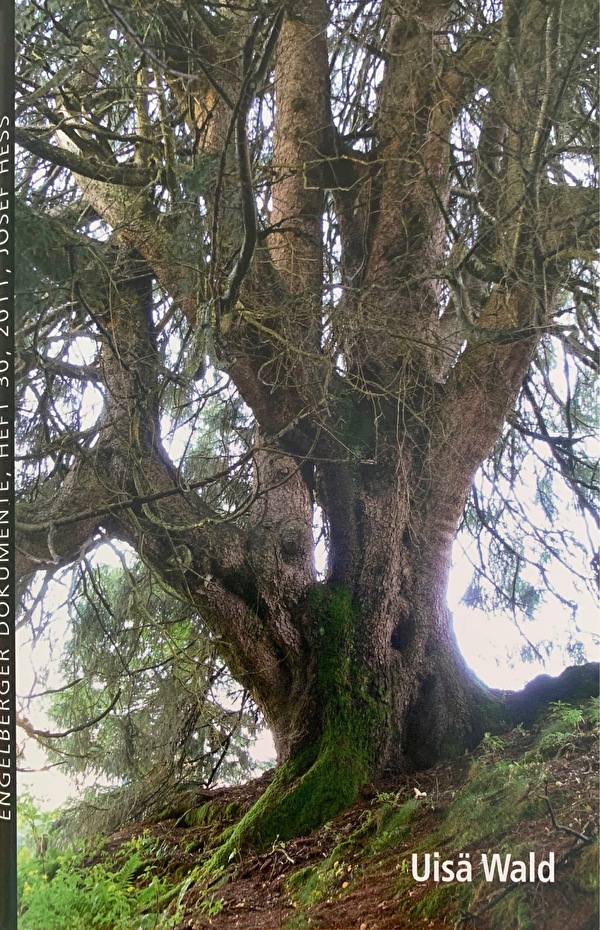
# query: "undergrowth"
501 807
504 789
59 890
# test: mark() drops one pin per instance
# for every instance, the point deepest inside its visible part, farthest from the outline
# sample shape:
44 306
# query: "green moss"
232 810
393 824
325 778
387 825
302 884
212 813
513 911
312 884
344 686
200 816
586 868
439 898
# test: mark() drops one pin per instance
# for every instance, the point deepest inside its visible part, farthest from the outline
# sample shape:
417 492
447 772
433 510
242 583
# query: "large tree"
293 265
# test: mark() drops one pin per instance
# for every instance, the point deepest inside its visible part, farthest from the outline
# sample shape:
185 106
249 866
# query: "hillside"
526 793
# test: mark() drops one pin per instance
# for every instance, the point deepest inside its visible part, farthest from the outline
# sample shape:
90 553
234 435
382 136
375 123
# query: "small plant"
571 717
385 797
61 890
492 745
563 727
211 906
278 846
592 712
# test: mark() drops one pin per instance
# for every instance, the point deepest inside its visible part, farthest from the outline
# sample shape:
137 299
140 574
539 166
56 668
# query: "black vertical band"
8 747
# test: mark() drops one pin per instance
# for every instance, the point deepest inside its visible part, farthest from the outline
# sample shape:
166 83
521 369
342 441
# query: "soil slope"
527 793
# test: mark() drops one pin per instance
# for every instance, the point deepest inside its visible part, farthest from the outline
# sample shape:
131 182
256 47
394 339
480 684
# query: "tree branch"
96 513
47 734
126 174
252 78
474 402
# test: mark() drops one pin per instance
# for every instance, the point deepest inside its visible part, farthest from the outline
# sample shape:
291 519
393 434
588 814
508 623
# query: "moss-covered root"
304 794
572 686
324 779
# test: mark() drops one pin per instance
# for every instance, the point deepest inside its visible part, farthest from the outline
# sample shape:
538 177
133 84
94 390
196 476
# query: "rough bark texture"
378 407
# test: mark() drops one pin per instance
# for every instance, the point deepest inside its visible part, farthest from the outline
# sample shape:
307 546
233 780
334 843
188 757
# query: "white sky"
490 644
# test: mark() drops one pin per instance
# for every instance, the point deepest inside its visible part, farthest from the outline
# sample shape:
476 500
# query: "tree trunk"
372 704
377 386
415 698
379 686
382 645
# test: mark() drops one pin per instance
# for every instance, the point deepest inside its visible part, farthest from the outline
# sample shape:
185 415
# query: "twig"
468 916
46 734
557 826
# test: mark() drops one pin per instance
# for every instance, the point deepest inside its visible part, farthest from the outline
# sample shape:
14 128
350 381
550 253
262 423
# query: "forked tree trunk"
385 649
360 675
379 686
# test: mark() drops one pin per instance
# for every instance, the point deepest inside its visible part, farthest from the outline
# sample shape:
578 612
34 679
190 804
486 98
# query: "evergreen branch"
47 734
125 174
165 68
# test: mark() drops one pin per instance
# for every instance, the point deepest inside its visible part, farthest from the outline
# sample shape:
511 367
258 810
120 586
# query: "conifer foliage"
298 275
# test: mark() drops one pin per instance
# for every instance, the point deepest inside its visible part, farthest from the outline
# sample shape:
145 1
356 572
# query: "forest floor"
525 793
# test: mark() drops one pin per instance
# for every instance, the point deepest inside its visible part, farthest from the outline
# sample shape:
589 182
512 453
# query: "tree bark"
376 406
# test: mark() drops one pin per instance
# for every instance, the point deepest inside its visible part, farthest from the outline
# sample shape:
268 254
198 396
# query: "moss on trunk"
325 776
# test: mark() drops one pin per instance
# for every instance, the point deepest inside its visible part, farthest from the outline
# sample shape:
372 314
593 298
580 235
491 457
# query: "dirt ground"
364 891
